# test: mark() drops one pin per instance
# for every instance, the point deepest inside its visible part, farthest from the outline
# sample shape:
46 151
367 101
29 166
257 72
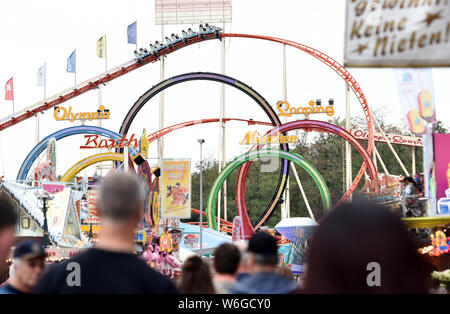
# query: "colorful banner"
9 90
415 89
238 229
393 138
397 33
71 62
41 75
191 239
176 188
56 211
442 163
155 204
101 47
91 206
132 33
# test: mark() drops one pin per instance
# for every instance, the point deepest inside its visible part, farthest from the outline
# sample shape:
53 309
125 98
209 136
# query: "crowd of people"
348 240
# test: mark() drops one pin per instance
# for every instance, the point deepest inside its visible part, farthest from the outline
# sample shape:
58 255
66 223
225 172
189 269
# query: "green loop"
295 158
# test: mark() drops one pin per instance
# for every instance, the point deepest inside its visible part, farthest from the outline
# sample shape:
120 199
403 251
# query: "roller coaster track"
155 135
151 58
308 125
63 133
92 83
225 225
256 154
219 78
134 64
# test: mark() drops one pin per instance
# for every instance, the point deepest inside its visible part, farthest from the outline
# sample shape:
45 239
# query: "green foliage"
440 128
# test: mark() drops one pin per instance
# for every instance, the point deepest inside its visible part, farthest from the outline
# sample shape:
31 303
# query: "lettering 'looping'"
288 111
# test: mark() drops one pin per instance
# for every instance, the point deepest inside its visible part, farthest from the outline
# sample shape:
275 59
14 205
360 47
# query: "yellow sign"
143 144
288 111
62 113
176 188
256 138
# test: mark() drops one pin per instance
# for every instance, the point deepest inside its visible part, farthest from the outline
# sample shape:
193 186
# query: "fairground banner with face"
176 188
397 33
442 163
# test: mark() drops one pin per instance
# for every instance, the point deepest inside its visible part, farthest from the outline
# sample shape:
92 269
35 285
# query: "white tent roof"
297 229
297 222
60 211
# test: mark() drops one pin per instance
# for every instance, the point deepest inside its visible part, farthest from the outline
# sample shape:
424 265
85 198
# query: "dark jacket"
8 289
265 283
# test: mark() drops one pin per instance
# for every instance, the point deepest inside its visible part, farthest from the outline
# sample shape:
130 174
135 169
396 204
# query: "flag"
41 75
71 62
9 90
132 33
101 47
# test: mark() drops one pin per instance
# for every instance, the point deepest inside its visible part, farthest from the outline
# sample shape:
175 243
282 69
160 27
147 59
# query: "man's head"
262 252
8 221
226 259
120 198
28 265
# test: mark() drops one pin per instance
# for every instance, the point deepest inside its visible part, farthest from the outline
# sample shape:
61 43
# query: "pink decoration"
52 188
171 260
44 171
157 257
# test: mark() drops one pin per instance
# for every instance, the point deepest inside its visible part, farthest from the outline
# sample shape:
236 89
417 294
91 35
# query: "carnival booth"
210 240
62 217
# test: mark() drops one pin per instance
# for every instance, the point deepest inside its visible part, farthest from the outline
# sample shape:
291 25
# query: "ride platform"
427 222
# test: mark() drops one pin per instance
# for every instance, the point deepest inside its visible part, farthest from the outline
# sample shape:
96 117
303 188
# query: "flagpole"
37 114
38 135
37 128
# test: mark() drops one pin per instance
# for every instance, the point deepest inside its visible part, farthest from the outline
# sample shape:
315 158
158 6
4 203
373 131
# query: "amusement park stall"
63 224
210 240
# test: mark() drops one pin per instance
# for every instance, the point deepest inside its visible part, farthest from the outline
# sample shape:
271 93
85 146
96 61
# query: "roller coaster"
158 50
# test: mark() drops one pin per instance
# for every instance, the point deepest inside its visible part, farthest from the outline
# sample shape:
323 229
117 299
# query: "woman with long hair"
196 277
364 248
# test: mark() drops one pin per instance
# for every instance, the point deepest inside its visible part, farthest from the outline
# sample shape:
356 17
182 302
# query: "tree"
440 128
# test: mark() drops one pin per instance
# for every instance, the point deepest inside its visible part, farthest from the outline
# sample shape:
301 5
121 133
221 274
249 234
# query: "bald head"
120 197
